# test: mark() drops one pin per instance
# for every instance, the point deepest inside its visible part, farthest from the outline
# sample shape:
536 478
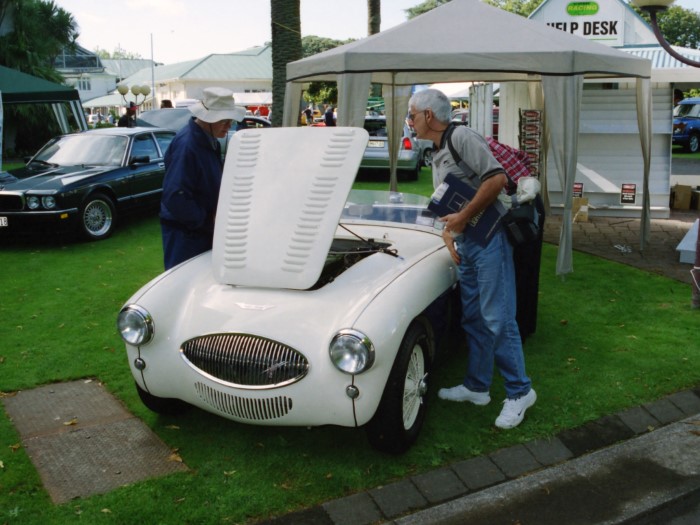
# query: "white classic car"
312 308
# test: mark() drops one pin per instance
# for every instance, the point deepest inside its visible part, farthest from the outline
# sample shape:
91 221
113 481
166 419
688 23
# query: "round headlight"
135 325
33 202
351 352
48 202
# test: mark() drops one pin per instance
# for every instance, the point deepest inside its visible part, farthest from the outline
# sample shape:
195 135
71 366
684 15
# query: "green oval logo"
582 8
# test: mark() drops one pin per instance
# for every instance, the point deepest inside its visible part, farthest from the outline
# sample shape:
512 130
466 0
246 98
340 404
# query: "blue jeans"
487 286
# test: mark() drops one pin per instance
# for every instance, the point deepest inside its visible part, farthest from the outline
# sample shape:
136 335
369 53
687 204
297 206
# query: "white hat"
217 104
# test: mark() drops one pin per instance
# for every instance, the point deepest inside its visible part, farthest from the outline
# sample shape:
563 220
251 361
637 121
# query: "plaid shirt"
515 162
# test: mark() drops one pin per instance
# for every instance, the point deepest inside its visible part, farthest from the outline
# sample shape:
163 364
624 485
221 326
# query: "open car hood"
282 194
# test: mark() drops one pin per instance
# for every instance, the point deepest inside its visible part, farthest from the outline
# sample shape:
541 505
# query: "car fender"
414 291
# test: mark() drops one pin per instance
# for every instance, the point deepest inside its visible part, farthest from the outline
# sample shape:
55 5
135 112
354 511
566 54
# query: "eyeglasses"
412 116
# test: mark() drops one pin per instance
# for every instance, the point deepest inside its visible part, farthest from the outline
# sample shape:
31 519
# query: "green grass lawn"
609 337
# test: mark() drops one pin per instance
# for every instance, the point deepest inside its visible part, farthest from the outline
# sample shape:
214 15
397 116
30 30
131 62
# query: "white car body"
244 331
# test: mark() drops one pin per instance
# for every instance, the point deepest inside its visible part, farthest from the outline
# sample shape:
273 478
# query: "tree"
286 47
519 7
312 45
680 27
117 54
320 92
374 16
374 22
424 7
39 32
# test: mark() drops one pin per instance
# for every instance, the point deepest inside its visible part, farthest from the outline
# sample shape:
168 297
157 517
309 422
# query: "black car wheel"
162 405
401 412
428 157
411 174
694 143
97 217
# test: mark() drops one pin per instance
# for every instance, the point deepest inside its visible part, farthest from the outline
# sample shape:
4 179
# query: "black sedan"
81 181
177 118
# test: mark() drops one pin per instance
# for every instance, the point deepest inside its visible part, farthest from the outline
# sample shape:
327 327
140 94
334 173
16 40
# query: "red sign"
628 194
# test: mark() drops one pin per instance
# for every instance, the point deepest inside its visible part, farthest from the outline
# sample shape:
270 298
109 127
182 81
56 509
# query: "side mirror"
139 159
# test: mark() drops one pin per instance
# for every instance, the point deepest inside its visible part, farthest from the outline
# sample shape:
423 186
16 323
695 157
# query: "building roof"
660 59
123 68
665 68
251 64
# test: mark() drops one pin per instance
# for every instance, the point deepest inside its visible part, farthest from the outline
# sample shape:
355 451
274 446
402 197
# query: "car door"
146 165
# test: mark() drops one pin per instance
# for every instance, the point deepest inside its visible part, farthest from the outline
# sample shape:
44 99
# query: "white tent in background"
253 99
454 89
491 45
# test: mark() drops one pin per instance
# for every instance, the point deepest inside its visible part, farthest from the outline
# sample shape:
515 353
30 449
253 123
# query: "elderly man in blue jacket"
193 171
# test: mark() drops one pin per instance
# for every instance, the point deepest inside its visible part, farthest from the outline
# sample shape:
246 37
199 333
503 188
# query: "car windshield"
686 110
84 148
376 128
385 206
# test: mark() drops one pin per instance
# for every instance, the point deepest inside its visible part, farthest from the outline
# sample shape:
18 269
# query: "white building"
247 73
609 152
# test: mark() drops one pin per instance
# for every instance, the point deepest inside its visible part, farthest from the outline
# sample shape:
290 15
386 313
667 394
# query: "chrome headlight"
351 352
48 202
135 325
33 202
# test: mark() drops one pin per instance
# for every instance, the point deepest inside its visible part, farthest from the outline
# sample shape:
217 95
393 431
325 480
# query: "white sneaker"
513 410
462 393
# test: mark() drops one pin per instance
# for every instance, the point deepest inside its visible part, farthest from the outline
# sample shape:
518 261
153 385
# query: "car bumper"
317 399
36 221
405 161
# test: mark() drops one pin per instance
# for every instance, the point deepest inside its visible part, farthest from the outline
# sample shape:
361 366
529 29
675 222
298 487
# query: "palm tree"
41 30
286 47
374 16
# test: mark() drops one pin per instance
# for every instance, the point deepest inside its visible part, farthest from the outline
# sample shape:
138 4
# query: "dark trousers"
180 244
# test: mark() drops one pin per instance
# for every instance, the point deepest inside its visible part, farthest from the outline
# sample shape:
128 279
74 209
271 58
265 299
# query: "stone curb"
422 491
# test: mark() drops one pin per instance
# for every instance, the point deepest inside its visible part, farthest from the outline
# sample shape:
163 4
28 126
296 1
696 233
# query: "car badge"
270 371
262 307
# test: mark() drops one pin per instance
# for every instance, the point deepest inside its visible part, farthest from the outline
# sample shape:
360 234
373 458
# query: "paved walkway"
617 239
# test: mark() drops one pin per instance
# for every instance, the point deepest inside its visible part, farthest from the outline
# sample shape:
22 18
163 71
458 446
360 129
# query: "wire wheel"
97 217
399 418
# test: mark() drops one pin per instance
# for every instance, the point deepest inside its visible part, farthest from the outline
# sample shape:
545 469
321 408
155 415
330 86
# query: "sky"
182 30
189 29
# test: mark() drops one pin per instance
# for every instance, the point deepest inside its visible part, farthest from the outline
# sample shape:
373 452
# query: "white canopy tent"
466 40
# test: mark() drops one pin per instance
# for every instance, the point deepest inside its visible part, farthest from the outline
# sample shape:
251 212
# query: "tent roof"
468 36
19 88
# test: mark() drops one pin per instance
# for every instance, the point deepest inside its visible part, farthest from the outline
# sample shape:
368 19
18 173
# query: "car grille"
242 408
245 361
10 203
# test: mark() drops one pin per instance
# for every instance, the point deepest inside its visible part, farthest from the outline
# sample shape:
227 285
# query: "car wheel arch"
386 430
104 203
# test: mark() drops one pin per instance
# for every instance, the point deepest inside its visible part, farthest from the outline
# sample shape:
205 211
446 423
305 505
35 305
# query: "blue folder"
452 196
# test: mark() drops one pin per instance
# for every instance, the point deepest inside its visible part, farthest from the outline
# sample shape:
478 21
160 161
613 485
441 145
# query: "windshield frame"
81 149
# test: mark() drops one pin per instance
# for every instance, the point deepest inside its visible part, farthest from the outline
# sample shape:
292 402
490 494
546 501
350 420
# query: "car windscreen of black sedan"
82 181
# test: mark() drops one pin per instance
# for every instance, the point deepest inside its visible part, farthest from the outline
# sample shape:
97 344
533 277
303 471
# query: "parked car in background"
177 118
316 306
168 118
461 117
84 181
376 157
425 149
686 125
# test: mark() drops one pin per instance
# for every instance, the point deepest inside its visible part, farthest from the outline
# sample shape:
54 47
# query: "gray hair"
434 100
